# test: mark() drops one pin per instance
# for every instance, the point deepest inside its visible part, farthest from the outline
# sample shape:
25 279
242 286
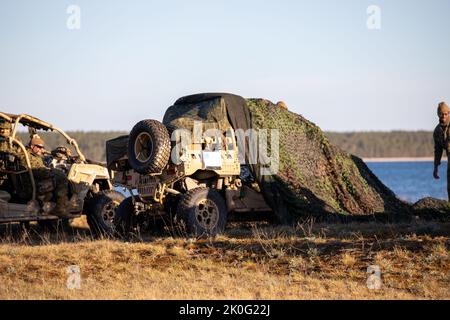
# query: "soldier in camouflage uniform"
42 172
5 131
441 137
61 158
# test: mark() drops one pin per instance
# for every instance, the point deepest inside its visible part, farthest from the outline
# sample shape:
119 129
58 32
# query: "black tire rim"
207 214
143 147
108 213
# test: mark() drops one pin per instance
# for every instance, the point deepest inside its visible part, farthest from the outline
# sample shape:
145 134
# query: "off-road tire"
148 147
203 211
125 221
100 213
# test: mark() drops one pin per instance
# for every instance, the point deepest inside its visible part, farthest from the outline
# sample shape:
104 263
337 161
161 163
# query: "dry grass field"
250 261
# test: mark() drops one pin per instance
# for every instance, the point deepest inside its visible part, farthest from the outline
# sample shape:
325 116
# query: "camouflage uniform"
6 148
441 142
41 172
3 148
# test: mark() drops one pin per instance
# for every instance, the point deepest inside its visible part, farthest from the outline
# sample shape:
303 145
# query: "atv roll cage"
33 124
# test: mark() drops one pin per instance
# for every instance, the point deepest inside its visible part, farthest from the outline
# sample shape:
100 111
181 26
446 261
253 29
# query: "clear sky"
130 60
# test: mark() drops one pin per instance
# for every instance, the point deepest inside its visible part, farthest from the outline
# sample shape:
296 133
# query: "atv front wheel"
101 212
125 222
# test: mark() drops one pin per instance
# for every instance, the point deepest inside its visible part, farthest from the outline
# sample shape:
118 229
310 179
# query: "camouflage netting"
316 178
430 208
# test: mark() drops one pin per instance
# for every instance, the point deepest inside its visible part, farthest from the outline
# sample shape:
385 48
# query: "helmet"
5 124
282 105
62 153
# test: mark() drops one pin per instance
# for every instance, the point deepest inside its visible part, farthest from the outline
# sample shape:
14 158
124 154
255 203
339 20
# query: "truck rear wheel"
148 147
101 212
204 212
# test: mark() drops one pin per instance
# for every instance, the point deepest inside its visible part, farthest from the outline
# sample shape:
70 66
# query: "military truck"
197 182
90 189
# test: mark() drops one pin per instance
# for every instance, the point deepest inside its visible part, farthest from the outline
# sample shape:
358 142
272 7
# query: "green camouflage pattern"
211 113
36 161
40 173
314 177
13 151
4 147
5 124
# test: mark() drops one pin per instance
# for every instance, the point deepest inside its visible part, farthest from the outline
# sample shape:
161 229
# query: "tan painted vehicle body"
204 179
152 189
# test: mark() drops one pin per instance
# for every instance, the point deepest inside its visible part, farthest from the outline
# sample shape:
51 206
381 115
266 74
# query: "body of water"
412 181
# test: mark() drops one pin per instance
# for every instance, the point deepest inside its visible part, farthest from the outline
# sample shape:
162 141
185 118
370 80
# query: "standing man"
441 137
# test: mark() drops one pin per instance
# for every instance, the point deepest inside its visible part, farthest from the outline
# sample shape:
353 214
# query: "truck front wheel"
204 212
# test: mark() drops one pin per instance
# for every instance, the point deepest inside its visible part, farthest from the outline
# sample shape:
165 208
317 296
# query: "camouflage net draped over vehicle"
316 178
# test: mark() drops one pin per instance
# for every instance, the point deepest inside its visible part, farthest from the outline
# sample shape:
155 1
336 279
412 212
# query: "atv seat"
4 196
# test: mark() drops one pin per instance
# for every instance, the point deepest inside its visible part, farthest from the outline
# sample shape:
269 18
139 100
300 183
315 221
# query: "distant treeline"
385 144
362 144
92 143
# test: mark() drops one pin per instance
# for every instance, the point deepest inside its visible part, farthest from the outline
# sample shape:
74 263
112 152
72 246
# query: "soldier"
5 131
41 172
61 158
441 137
5 128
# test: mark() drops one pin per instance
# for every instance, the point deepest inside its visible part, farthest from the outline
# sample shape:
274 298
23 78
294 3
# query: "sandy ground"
250 261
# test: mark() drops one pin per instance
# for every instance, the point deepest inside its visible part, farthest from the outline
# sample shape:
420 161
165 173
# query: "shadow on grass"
34 235
249 235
